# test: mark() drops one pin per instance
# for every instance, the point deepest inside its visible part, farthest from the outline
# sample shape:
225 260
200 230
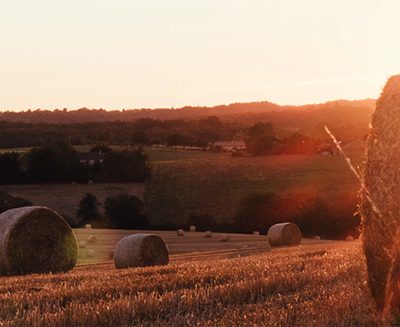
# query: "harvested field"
315 284
193 244
65 198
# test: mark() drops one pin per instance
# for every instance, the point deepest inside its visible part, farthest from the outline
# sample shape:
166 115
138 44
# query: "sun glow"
130 54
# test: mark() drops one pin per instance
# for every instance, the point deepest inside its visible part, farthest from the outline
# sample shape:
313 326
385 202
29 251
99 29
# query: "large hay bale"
35 240
141 250
380 205
284 234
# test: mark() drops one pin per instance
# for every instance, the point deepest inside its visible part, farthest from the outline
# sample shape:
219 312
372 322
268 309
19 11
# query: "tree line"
58 162
256 212
142 131
188 126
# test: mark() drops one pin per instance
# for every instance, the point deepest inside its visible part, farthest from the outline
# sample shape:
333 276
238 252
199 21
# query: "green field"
204 183
155 154
215 185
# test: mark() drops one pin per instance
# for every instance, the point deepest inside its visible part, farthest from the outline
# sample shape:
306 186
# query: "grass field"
215 186
155 154
208 183
315 284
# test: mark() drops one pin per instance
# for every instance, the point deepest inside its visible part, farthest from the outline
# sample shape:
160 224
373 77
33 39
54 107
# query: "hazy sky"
119 54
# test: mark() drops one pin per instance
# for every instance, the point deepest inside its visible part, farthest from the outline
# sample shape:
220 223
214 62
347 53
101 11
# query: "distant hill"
340 111
348 120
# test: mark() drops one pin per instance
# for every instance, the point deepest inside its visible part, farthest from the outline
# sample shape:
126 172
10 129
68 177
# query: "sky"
124 54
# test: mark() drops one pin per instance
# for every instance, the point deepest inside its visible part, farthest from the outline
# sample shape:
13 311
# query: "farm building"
229 146
89 158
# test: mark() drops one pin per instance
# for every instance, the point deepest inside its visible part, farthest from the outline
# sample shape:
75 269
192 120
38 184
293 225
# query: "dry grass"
191 244
65 198
310 285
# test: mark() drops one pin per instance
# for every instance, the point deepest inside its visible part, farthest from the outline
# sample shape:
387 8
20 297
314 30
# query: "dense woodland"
196 126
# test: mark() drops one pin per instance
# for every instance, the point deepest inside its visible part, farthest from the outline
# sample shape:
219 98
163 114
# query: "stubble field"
311 285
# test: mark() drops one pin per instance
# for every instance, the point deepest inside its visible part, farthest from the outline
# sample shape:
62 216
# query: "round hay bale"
192 228
35 240
141 250
349 238
284 234
82 244
225 237
91 253
316 237
380 205
180 232
88 226
208 234
257 233
91 238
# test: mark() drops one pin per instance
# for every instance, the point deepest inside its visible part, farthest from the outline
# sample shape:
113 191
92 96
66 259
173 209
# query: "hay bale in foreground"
284 234
180 232
382 180
141 250
35 240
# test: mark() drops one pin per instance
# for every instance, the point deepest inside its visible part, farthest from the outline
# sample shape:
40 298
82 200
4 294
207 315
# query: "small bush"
125 211
8 202
127 166
332 220
10 167
203 222
314 215
257 212
88 208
